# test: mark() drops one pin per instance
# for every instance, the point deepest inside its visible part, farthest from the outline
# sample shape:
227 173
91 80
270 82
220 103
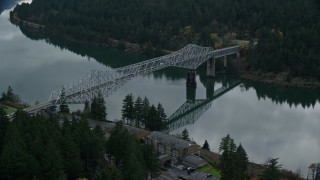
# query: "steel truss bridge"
192 110
106 81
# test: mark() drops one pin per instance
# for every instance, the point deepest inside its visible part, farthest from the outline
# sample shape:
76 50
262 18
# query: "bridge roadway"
107 81
191 110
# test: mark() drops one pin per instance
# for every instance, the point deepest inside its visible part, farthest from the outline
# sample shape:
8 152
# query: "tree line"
287 31
140 113
234 163
9 98
42 147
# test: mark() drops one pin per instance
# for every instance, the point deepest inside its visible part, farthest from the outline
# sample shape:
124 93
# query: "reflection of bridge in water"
107 81
193 108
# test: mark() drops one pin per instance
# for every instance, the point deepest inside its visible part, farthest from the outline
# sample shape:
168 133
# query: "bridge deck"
105 82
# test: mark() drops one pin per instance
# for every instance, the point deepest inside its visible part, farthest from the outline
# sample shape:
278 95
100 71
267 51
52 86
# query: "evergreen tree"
52 163
4 123
3 96
10 94
227 158
185 135
108 173
241 163
162 116
133 162
152 120
145 110
98 108
150 158
272 170
64 108
127 109
86 109
137 109
94 107
70 153
117 143
91 146
206 145
15 161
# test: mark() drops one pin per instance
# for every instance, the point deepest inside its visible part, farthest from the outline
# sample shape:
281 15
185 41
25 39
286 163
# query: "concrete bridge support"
238 55
211 67
191 78
191 93
225 60
191 85
210 88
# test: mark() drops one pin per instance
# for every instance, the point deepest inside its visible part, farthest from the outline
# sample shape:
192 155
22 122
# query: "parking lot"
176 172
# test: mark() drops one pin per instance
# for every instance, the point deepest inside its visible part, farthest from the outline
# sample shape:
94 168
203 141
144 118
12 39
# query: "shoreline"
120 44
280 81
267 78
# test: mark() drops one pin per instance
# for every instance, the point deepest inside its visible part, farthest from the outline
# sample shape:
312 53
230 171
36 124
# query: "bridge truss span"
106 81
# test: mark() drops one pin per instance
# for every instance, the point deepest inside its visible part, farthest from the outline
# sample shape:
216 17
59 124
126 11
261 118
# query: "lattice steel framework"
191 111
188 113
107 81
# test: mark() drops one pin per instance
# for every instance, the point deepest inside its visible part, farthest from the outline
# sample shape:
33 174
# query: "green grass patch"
9 110
239 42
210 170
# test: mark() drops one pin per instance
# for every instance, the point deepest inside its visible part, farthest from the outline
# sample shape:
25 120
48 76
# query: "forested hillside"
287 32
41 147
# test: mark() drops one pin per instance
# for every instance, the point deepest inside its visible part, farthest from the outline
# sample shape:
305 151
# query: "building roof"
165 158
137 132
194 160
169 141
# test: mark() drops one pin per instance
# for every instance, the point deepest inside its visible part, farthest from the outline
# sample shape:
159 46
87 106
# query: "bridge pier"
191 78
210 88
238 55
211 67
225 60
191 93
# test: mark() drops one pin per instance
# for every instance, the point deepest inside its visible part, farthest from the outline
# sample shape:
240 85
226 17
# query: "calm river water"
268 121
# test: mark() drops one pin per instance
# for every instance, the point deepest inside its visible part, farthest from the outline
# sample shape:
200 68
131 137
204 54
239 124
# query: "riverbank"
281 79
120 44
274 79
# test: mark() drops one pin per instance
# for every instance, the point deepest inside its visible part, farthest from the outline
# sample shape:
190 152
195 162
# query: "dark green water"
268 121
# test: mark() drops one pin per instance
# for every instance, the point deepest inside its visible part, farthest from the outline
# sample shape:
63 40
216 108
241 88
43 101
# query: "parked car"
209 175
190 170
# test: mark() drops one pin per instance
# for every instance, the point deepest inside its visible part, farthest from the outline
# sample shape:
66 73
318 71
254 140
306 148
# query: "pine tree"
150 159
102 109
272 170
227 158
15 161
153 122
10 95
4 124
70 153
98 108
241 163
137 109
127 109
145 110
87 108
185 135
64 108
3 96
52 163
206 145
162 117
